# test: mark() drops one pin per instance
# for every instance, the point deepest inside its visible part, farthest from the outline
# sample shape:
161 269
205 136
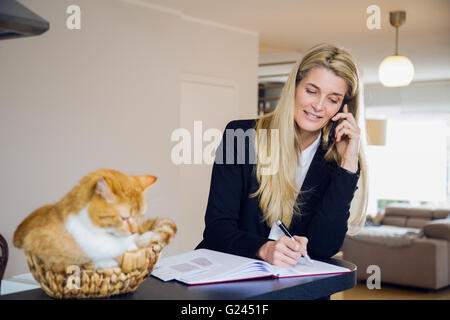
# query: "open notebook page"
216 266
208 266
229 267
317 268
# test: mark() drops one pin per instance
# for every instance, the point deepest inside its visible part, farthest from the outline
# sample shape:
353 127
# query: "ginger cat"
96 222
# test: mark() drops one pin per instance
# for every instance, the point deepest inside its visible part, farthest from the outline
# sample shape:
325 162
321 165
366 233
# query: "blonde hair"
278 191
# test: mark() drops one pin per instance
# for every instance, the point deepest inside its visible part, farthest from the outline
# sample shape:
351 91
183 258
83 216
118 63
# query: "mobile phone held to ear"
335 123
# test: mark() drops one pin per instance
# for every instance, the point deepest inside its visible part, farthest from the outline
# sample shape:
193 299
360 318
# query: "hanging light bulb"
396 70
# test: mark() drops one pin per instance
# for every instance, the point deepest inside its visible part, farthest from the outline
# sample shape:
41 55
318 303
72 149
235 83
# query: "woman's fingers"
285 252
302 240
348 121
290 243
344 115
282 260
287 247
350 133
291 250
345 124
347 128
294 246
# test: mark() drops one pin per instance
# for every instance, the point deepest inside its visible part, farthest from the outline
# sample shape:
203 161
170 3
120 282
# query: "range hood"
17 21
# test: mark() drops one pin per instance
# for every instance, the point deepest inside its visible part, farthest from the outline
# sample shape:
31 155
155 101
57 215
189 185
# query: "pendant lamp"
396 70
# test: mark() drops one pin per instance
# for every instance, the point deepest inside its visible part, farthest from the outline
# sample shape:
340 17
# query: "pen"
287 233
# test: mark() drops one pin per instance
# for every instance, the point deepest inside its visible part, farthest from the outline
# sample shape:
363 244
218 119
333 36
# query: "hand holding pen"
285 230
284 252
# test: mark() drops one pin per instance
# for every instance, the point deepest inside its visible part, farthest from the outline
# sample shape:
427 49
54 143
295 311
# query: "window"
414 164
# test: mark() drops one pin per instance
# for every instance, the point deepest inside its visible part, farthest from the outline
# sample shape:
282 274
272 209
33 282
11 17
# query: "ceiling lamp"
396 70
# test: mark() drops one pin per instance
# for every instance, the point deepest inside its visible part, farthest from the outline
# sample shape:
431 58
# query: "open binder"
205 266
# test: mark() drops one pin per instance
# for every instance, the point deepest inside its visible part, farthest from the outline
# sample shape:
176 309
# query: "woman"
311 178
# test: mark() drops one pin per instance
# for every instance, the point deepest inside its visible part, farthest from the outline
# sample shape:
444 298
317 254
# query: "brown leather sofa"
411 247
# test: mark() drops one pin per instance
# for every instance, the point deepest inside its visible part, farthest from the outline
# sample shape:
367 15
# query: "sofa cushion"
438 229
390 236
394 221
441 213
409 211
416 222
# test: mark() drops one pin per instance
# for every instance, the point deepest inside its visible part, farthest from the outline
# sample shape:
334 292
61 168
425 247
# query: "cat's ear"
147 181
103 190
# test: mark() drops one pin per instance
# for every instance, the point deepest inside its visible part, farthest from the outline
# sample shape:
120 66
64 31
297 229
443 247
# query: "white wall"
109 95
216 86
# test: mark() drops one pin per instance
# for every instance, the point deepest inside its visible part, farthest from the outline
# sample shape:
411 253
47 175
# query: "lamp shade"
376 131
396 71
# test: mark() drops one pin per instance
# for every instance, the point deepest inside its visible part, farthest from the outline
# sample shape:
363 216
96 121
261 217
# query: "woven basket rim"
63 281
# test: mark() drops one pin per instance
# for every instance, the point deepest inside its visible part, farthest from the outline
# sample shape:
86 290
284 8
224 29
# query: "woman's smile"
312 116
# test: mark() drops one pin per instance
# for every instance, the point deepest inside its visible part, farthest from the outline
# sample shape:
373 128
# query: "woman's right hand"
284 252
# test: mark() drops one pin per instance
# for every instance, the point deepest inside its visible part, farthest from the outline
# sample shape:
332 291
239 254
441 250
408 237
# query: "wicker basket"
72 281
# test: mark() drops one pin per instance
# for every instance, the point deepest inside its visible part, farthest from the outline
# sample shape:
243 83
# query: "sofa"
410 245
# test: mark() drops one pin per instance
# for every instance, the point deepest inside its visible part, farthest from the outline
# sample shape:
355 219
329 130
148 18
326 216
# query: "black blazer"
233 220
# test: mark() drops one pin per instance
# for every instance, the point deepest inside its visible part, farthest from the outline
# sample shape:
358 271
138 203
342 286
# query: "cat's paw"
145 239
158 224
106 263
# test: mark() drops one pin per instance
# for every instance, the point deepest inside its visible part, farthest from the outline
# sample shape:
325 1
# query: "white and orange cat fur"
96 222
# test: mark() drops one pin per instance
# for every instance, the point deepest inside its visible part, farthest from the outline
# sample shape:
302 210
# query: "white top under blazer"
306 158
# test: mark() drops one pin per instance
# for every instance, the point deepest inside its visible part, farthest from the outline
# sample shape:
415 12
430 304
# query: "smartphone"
335 123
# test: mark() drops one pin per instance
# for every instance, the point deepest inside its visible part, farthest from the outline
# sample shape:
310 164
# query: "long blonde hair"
277 190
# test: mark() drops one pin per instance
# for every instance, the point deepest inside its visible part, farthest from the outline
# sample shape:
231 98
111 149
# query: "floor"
391 292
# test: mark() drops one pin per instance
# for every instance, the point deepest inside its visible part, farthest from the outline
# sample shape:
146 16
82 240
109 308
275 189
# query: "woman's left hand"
347 135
